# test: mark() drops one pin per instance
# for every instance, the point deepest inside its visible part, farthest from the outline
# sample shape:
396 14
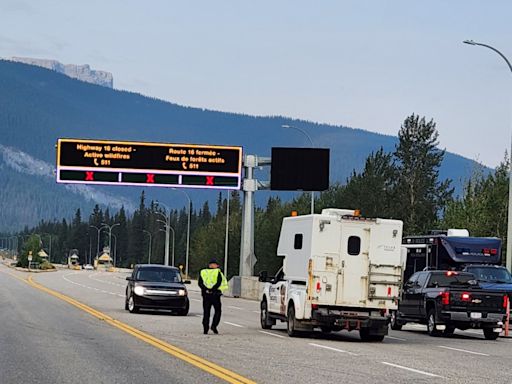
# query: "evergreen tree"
420 196
372 191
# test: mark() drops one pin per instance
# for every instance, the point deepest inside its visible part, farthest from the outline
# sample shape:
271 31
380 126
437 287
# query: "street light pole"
149 250
312 145
98 246
226 241
188 228
173 241
115 249
167 224
104 225
508 256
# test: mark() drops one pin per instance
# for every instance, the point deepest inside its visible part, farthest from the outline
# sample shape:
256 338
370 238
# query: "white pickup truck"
340 271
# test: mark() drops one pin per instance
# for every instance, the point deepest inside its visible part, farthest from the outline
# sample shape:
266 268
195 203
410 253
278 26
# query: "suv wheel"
131 305
432 323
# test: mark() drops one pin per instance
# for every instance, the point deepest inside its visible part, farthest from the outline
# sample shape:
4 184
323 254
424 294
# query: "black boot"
214 329
205 330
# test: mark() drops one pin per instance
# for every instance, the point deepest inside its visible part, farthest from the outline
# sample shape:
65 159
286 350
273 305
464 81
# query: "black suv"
156 287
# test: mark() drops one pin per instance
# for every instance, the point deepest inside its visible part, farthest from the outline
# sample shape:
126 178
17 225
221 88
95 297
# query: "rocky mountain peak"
80 72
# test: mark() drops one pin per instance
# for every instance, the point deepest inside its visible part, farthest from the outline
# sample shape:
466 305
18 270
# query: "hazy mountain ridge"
38 106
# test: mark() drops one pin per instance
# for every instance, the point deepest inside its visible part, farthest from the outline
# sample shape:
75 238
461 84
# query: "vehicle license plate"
475 315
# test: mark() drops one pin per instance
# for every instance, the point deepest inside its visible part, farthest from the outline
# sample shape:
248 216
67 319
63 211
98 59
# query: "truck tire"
448 331
265 320
396 325
489 334
366 335
432 323
291 322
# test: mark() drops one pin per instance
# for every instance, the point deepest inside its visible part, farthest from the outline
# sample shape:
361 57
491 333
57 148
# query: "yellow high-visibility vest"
210 277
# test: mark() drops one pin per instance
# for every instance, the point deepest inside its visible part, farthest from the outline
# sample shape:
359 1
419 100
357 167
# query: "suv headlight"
138 290
182 292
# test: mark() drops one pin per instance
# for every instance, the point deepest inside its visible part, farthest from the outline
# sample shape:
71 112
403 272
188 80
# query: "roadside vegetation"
403 184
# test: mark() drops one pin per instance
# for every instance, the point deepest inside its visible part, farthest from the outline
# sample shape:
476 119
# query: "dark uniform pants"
210 300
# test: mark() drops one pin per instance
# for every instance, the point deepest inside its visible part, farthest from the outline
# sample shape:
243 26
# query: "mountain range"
38 106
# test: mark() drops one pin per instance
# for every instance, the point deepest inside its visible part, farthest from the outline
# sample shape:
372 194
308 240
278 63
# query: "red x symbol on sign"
150 178
209 180
89 176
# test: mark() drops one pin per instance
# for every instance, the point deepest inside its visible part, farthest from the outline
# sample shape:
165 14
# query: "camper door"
352 277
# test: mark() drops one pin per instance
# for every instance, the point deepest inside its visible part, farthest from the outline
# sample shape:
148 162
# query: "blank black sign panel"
299 169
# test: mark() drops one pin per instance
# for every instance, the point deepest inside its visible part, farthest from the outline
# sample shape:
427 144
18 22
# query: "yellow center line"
198 362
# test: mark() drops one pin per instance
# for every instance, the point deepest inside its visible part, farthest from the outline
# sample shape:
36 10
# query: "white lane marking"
195 300
234 325
255 311
333 349
199 315
86 286
395 338
232 306
464 350
271 334
411 369
103 281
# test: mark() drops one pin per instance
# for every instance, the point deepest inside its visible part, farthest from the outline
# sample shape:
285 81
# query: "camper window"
354 245
297 243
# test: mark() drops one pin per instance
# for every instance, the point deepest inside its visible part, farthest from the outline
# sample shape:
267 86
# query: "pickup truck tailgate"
477 301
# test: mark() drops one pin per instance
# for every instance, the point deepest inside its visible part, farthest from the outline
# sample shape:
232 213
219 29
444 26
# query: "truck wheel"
489 334
395 324
291 326
448 331
366 335
432 323
266 322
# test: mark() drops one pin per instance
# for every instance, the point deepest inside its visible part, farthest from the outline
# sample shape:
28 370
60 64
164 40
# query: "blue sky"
364 64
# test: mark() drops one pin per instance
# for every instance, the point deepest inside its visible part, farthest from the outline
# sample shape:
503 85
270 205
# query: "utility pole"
250 185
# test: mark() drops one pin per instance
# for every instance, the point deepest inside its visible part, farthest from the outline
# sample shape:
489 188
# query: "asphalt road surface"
44 335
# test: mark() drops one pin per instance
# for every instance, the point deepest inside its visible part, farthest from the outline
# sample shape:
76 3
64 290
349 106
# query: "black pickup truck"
445 300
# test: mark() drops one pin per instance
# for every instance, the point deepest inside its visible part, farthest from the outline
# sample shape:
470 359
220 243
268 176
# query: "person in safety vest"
212 283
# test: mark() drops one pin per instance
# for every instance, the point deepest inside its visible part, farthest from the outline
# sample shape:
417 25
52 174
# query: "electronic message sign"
150 164
303 169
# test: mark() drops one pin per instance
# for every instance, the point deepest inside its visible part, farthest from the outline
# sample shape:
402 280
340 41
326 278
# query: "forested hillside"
37 106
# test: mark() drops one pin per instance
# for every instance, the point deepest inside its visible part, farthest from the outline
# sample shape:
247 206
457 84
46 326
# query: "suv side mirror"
129 278
263 276
187 282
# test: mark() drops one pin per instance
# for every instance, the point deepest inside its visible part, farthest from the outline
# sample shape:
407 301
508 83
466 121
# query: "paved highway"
79 344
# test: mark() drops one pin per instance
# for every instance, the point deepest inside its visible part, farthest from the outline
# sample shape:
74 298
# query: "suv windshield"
158 275
447 280
491 274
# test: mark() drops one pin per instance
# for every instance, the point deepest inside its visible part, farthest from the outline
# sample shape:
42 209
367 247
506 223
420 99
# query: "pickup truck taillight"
465 296
505 301
318 287
445 298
